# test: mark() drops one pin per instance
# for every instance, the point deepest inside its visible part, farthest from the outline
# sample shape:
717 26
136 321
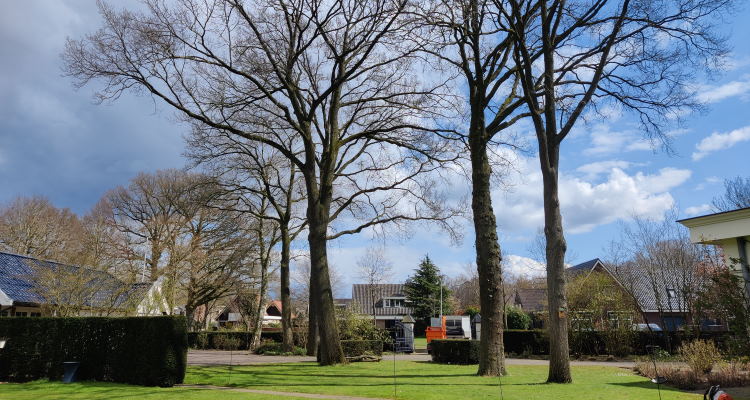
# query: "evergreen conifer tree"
423 291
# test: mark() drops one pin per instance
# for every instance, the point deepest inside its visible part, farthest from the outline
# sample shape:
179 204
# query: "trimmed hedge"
526 342
216 340
149 351
355 348
455 351
536 342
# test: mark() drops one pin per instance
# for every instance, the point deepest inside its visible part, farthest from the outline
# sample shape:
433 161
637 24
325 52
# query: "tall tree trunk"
559 357
189 317
312 319
287 336
318 210
491 348
260 309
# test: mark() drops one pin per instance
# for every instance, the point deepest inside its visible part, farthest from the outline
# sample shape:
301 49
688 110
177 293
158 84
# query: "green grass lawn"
420 343
424 380
45 390
415 380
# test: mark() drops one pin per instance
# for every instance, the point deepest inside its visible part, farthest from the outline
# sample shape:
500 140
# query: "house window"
36 314
4 314
674 323
393 302
619 319
22 314
671 293
582 321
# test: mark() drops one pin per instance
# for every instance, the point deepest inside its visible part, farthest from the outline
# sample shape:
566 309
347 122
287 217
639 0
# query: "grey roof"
342 302
363 295
17 281
531 300
650 287
583 267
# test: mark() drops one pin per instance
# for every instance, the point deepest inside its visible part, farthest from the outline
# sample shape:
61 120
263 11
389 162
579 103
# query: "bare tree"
146 214
213 246
249 170
329 85
178 223
34 227
374 269
736 195
657 264
578 56
465 287
468 37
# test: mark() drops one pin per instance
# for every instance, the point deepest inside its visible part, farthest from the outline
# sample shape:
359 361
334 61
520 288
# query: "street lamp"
2 342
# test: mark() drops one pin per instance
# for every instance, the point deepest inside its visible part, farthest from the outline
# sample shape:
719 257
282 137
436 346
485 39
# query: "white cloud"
586 204
714 94
698 210
711 180
720 141
522 266
605 141
594 169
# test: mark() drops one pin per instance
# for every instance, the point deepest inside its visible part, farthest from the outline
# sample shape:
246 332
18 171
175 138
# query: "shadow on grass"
649 385
91 389
259 378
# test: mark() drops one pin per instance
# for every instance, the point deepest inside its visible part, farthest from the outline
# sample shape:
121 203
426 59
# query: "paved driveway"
220 357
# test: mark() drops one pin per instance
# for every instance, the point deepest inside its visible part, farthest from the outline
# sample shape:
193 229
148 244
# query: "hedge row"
536 342
150 351
230 340
455 351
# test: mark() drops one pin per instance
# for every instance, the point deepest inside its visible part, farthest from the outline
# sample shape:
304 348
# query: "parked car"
647 327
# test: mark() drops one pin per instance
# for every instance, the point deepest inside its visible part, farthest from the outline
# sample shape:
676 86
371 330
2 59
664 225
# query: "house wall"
10 311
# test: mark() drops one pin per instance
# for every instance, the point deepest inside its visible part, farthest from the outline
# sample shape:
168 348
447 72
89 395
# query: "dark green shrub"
356 348
354 327
526 342
618 341
201 340
213 340
150 351
585 342
271 348
517 319
455 351
227 342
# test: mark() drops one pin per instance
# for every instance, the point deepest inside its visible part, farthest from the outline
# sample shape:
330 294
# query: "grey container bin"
70 369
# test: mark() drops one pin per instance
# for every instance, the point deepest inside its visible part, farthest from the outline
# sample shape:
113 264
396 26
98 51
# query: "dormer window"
671 293
393 302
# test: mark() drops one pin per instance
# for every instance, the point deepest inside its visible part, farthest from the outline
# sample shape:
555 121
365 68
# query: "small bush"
357 327
226 342
201 340
270 348
517 319
455 351
700 355
734 373
356 348
676 376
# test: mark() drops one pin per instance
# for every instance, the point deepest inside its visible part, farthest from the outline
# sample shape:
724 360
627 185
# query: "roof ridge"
39 259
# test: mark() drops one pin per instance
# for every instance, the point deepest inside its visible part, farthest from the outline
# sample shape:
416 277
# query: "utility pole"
441 298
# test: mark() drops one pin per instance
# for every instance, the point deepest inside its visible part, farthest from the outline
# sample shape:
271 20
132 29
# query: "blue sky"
55 141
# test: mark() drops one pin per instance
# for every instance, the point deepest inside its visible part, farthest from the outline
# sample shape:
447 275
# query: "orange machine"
436 332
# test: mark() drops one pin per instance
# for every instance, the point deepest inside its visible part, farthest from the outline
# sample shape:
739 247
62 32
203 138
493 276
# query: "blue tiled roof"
16 279
584 266
17 275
